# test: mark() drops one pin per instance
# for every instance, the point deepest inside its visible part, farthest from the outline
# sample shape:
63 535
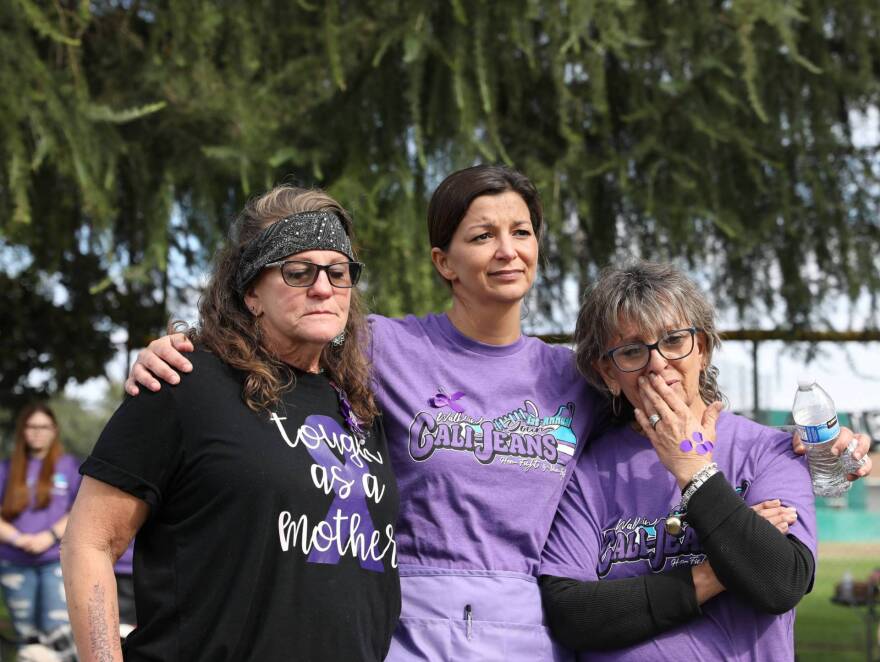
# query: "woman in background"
39 483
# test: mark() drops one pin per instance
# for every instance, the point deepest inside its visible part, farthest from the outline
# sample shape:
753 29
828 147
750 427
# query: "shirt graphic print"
521 437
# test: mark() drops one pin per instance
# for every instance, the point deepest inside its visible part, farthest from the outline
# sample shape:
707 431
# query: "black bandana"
306 231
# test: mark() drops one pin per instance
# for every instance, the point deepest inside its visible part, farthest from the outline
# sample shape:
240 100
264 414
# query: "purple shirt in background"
610 526
65 483
124 566
482 438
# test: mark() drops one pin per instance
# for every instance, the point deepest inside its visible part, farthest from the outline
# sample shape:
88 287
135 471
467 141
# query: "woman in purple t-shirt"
666 502
39 483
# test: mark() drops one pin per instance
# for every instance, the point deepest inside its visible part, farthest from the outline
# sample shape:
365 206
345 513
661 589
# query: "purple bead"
698 437
702 450
686 446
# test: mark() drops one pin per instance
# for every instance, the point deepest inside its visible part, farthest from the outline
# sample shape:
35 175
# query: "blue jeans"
34 595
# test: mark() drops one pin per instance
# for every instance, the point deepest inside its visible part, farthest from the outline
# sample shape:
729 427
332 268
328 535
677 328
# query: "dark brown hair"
17 496
229 330
451 200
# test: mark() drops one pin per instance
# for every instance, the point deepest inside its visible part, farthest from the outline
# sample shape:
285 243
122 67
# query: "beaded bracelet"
697 481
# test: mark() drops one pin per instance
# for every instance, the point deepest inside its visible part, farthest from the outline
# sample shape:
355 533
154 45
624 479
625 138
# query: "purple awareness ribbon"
351 420
441 400
700 445
356 503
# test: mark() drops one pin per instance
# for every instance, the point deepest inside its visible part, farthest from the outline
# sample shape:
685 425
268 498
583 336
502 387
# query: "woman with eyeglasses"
667 495
484 425
260 488
38 483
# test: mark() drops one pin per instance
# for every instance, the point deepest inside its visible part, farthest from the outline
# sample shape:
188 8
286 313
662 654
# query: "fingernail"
642 380
187 367
175 379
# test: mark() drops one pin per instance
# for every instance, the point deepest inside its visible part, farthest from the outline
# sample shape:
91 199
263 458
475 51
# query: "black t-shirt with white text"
270 535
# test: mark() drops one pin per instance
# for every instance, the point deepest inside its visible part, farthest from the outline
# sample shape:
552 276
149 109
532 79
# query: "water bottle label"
818 434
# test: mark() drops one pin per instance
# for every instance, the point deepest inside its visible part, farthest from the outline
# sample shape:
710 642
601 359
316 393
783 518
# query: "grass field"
825 631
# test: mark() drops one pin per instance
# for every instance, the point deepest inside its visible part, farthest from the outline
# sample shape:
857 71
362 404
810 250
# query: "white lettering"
328 483
344 533
373 489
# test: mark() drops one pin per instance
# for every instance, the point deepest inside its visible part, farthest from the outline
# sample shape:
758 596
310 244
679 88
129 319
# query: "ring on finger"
653 419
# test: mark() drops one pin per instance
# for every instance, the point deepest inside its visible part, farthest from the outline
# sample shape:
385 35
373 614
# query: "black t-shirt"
270 536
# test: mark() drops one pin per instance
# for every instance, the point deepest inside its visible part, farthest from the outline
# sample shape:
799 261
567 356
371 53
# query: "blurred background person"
124 571
39 483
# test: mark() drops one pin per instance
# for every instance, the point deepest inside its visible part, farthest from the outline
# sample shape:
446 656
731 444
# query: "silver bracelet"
697 482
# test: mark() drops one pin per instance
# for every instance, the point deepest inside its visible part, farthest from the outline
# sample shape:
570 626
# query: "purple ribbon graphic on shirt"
441 400
354 504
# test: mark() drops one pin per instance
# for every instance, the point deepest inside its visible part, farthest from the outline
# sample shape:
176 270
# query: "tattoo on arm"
99 635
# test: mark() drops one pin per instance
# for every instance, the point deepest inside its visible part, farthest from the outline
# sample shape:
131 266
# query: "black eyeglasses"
635 356
298 273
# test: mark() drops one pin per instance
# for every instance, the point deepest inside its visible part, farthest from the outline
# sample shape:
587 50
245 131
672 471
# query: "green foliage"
59 341
716 134
80 426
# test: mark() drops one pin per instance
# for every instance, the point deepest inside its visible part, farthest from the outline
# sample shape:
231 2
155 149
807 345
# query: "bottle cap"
805 382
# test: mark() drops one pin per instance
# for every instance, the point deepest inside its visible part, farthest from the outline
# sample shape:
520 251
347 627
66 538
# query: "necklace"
347 412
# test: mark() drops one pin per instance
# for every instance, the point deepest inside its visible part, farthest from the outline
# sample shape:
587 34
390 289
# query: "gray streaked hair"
648 295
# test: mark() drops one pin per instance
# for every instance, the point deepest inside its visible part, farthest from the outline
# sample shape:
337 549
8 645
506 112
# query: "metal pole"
756 404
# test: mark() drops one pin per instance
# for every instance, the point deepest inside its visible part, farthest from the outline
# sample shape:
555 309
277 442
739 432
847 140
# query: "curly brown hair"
229 330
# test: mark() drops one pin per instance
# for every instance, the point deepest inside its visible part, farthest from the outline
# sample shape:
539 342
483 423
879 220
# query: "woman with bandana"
260 489
484 424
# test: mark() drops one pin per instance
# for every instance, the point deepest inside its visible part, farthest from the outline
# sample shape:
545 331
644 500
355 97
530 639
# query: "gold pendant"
673 525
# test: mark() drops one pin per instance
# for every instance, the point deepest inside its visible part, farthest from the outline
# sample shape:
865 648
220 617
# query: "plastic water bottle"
847 587
816 419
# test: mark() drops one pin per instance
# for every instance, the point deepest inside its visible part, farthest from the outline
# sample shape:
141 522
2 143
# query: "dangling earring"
615 404
339 340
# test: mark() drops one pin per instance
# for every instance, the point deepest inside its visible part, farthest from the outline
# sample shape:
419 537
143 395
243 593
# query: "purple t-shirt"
610 526
482 438
65 483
